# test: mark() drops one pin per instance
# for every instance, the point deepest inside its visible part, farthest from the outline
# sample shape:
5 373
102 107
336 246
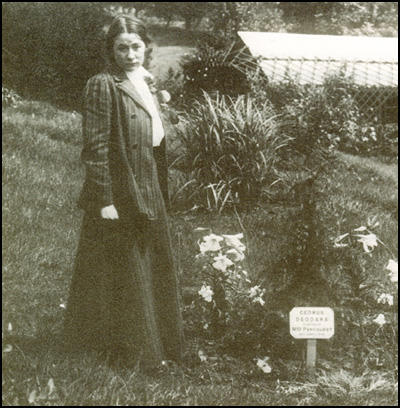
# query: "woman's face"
129 51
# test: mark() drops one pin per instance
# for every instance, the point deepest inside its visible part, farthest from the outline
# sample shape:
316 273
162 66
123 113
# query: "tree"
361 18
164 10
227 18
53 47
190 12
351 18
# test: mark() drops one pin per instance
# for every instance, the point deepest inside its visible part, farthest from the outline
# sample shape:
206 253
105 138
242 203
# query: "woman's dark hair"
125 24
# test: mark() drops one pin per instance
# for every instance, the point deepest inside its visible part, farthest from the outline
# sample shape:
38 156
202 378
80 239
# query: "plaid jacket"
118 150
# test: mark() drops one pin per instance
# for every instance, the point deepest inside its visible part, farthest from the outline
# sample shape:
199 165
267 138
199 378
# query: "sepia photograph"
200 203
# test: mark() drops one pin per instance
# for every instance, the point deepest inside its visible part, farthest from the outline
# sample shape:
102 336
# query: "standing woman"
124 295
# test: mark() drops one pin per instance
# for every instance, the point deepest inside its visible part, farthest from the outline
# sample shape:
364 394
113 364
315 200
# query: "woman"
124 291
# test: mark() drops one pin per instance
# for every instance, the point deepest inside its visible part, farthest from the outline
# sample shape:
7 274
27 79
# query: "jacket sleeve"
96 129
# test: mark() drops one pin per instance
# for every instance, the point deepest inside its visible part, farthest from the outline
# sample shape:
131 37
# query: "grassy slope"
168 47
41 180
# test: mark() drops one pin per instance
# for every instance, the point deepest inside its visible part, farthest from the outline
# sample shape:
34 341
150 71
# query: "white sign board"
312 322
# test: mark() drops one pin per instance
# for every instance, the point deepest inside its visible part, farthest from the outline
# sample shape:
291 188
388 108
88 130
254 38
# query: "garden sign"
312 323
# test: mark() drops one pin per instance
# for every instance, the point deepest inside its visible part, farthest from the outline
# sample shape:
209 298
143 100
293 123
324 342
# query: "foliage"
337 18
229 313
229 151
52 48
216 65
300 272
334 18
360 18
326 115
190 12
341 18
368 303
9 97
227 18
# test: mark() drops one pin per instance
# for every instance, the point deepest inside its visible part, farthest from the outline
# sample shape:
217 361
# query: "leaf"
202 356
8 348
51 386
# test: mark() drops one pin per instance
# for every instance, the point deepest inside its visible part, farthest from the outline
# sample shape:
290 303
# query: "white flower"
385 298
206 292
246 276
263 365
237 256
202 356
210 243
256 294
380 319
369 241
254 291
51 386
32 397
201 229
360 229
62 305
165 96
259 300
337 243
392 266
222 262
234 242
8 348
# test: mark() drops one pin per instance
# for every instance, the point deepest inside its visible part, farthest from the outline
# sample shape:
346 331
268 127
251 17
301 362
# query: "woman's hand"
109 213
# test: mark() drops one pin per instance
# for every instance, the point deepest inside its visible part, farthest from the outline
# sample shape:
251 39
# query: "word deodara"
312 322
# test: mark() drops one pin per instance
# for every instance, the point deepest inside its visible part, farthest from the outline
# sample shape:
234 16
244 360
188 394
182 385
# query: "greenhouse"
371 63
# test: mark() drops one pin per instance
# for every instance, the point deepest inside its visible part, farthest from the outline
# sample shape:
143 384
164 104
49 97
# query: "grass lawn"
42 177
167 57
169 45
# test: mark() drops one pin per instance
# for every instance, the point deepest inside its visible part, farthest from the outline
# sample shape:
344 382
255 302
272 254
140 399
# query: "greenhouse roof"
369 61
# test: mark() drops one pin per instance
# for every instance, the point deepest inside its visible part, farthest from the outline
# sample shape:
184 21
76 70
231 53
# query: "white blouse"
138 81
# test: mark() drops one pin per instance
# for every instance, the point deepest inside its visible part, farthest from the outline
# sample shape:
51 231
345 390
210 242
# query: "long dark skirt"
124 292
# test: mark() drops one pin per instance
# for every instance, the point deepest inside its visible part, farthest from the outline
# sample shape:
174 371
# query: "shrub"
217 65
52 48
323 117
229 151
299 275
326 115
229 314
368 303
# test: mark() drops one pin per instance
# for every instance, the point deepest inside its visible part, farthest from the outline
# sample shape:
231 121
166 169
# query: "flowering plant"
229 309
221 258
370 306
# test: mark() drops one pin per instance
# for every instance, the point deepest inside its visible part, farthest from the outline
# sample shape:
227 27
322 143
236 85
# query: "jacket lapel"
122 82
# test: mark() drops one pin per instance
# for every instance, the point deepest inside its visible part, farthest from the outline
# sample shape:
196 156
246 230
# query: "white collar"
140 73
